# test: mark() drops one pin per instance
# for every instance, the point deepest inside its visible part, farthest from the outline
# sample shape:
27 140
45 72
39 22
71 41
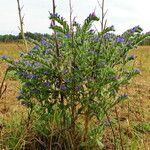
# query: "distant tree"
29 35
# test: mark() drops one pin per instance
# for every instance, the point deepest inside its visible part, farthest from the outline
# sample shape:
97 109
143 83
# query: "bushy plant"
74 77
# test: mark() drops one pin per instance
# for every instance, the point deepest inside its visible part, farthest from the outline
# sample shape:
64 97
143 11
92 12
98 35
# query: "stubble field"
134 113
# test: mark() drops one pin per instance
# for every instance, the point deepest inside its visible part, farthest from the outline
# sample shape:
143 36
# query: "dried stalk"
121 140
3 87
103 14
21 25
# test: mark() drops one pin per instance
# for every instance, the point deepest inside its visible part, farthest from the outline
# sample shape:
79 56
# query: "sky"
123 14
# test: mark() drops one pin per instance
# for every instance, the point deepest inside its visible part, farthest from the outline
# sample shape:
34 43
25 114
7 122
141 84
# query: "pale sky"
123 14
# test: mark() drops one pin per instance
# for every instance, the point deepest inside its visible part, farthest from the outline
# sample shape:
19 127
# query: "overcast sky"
123 14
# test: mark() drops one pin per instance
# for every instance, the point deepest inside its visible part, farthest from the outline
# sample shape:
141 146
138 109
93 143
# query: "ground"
134 113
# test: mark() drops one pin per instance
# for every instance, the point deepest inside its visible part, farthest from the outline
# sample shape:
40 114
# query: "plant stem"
2 91
60 78
113 132
121 140
103 14
21 25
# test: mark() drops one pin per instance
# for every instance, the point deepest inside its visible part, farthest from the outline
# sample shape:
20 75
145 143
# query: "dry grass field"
134 114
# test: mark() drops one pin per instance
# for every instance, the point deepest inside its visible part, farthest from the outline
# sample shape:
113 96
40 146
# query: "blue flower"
96 39
47 51
27 63
47 83
107 123
24 74
62 87
68 35
46 72
31 76
78 88
91 30
134 29
128 42
16 62
4 57
30 53
36 47
114 77
108 35
36 64
54 15
44 42
136 71
123 96
120 39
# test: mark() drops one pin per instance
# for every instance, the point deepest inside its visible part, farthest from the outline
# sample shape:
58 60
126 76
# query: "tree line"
38 37
17 38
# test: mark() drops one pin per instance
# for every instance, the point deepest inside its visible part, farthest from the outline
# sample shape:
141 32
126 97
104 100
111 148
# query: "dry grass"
132 112
11 49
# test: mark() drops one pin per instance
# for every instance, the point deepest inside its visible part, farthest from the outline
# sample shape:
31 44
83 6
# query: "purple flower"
27 63
78 88
54 15
92 14
44 42
120 39
35 64
24 74
31 76
4 57
16 62
52 25
96 39
134 29
114 77
123 96
36 47
62 87
108 35
68 35
136 71
91 30
30 53
47 83
128 42
107 123
46 72
47 51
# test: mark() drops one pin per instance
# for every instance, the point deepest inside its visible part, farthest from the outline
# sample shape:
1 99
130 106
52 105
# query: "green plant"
143 127
11 75
14 131
72 80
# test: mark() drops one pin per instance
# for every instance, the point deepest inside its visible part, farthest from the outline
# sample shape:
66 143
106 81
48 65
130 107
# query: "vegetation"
72 86
17 38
